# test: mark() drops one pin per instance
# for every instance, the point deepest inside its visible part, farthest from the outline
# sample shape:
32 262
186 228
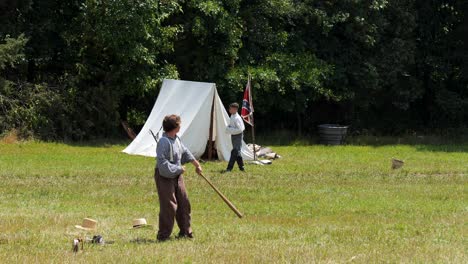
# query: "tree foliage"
385 66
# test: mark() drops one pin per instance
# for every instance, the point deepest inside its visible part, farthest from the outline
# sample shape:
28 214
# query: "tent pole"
210 138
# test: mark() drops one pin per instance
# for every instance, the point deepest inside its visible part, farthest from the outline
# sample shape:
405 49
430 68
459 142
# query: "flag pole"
253 124
253 141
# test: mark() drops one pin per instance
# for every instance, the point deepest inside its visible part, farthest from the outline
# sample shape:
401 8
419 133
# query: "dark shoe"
162 239
183 235
241 169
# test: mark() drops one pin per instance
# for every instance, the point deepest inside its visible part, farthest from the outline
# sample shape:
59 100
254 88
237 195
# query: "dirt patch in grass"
10 137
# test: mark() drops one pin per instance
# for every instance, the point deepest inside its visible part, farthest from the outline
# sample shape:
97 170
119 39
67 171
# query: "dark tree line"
72 69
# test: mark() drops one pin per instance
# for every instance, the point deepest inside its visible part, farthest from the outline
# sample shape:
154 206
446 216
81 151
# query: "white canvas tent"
200 109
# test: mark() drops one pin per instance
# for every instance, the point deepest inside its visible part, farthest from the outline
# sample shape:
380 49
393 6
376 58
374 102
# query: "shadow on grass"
443 148
101 143
421 143
143 241
282 138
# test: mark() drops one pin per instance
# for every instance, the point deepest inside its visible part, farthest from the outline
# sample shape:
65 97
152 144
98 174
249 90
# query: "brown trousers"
173 203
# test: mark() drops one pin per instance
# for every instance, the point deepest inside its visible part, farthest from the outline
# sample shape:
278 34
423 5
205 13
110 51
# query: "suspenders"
171 150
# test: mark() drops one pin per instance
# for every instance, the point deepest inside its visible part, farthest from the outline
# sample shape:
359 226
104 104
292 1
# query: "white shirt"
236 125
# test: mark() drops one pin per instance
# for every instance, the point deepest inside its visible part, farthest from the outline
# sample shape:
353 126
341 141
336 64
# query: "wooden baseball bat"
226 200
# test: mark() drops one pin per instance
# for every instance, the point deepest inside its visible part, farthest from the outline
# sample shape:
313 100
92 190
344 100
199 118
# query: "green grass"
317 204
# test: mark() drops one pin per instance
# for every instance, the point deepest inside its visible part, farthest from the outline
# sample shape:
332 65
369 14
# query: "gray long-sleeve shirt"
171 155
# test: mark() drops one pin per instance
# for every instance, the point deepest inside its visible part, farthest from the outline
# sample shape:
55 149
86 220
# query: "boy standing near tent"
173 200
236 129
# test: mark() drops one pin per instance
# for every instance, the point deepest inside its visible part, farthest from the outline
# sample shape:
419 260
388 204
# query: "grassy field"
317 204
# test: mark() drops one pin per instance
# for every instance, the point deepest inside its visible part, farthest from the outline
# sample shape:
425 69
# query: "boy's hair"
171 122
234 105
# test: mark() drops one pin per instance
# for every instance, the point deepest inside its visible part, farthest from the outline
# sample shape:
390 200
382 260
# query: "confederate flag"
247 106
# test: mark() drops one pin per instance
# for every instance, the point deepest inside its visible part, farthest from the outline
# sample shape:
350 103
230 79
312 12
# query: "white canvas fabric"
192 102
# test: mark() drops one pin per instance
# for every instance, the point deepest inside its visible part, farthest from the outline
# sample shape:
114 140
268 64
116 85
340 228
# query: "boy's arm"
187 156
